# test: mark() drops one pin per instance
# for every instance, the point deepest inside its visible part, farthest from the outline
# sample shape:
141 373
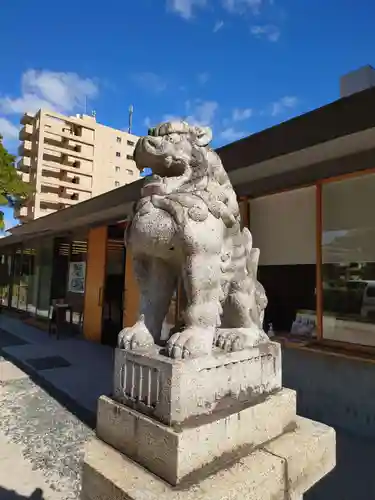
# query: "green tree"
13 190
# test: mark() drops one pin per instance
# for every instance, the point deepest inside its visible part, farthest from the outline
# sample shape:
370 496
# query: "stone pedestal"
187 392
215 427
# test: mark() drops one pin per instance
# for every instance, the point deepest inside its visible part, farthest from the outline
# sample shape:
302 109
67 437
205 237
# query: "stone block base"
177 392
174 454
283 469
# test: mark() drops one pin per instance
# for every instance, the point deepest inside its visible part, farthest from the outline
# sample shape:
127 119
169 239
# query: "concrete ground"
41 442
46 416
353 478
89 371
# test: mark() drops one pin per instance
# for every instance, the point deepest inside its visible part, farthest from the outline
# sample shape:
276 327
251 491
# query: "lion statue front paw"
237 339
135 337
192 342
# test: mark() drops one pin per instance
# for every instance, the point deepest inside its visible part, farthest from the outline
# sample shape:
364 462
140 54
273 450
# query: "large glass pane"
284 229
113 294
60 269
5 275
32 277
44 261
348 256
27 270
17 267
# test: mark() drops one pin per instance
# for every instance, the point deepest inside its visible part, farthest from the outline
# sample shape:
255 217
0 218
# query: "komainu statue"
187 224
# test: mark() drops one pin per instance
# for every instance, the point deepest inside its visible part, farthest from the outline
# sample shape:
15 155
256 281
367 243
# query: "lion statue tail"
252 261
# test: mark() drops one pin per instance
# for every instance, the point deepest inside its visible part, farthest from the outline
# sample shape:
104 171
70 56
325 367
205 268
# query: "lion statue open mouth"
187 224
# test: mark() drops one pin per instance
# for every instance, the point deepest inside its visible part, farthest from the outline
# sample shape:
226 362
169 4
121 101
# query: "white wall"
283 227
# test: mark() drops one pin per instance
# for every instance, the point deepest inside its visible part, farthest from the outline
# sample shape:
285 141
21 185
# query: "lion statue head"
182 162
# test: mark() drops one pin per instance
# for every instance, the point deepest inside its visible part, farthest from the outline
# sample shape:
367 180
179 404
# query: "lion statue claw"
187 224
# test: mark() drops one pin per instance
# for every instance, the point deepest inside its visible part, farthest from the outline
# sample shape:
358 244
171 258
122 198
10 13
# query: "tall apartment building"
71 159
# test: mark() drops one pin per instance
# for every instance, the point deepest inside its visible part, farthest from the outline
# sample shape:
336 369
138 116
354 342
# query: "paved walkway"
87 373
41 442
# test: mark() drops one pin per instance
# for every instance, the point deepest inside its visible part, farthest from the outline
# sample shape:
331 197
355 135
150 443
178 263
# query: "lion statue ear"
203 136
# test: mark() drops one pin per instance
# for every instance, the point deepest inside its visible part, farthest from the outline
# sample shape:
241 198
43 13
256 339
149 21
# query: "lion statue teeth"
187 224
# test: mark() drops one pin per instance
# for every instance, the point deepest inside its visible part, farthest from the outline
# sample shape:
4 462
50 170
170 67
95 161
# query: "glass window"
348 260
27 270
44 261
283 228
17 266
33 279
60 269
5 274
113 291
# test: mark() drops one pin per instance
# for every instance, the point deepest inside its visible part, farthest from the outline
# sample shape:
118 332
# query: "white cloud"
230 134
195 112
239 114
147 122
8 130
201 112
172 118
57 91
268 31
218 25
203 78
241 6
283 104
185 8
150 81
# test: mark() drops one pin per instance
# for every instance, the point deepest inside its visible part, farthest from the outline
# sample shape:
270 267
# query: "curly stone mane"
206 186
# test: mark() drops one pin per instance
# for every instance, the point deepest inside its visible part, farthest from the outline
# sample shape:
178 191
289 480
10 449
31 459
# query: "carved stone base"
283 469
176 454
187 392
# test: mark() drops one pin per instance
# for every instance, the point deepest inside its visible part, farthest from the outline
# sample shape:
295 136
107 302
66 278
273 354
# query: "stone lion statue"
187 224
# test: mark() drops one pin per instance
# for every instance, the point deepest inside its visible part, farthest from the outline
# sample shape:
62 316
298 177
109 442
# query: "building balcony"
54 164
27 119
25 177
64 151
25 149
47 211
24 164
26 132
57 199
20 213
56 182
58 135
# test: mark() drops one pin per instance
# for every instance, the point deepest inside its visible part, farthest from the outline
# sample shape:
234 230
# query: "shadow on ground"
8 339
353 478
5 494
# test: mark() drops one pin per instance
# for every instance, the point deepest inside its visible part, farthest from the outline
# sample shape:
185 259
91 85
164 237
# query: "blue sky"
237 65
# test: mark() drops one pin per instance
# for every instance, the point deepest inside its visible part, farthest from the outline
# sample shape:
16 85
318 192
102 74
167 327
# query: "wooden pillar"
131 292
244 211
94 286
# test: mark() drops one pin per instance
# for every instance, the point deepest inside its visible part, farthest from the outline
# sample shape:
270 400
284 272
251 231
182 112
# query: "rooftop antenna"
93 113
131 111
